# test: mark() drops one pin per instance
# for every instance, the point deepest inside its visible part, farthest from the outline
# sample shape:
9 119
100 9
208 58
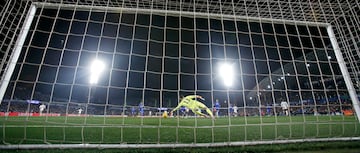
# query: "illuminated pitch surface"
171 130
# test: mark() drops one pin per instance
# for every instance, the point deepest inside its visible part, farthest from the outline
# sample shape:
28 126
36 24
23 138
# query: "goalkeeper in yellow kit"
194 105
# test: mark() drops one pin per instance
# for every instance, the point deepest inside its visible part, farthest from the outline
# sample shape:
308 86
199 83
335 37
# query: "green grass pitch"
135 130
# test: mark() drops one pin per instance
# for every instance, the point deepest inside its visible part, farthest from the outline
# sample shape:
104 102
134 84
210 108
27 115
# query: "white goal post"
342 64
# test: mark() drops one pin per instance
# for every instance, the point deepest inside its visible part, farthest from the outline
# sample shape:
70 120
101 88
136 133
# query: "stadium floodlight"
227 74
96 69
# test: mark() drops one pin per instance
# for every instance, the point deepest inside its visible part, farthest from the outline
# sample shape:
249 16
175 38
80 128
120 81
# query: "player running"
285 107
42 107
194 105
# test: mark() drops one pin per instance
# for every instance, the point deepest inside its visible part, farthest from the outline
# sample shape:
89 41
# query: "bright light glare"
227 74
96 69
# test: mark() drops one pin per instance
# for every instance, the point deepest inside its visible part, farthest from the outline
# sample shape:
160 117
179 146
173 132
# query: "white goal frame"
26 27
31 14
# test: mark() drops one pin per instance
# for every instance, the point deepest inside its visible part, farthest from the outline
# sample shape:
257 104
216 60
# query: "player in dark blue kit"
133 111
217 108
141 109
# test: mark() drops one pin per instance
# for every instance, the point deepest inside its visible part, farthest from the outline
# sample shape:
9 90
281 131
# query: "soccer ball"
165 114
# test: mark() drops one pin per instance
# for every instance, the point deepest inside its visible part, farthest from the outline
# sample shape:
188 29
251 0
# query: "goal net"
102 73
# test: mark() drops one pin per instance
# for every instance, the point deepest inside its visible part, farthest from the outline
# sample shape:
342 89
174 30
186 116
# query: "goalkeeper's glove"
200 97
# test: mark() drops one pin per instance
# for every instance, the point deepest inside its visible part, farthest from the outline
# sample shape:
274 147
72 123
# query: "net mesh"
155 52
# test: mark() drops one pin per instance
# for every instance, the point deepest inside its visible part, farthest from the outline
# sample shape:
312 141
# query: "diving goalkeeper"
194 105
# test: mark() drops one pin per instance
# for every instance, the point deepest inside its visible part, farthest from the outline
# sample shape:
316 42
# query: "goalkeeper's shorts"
165 114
